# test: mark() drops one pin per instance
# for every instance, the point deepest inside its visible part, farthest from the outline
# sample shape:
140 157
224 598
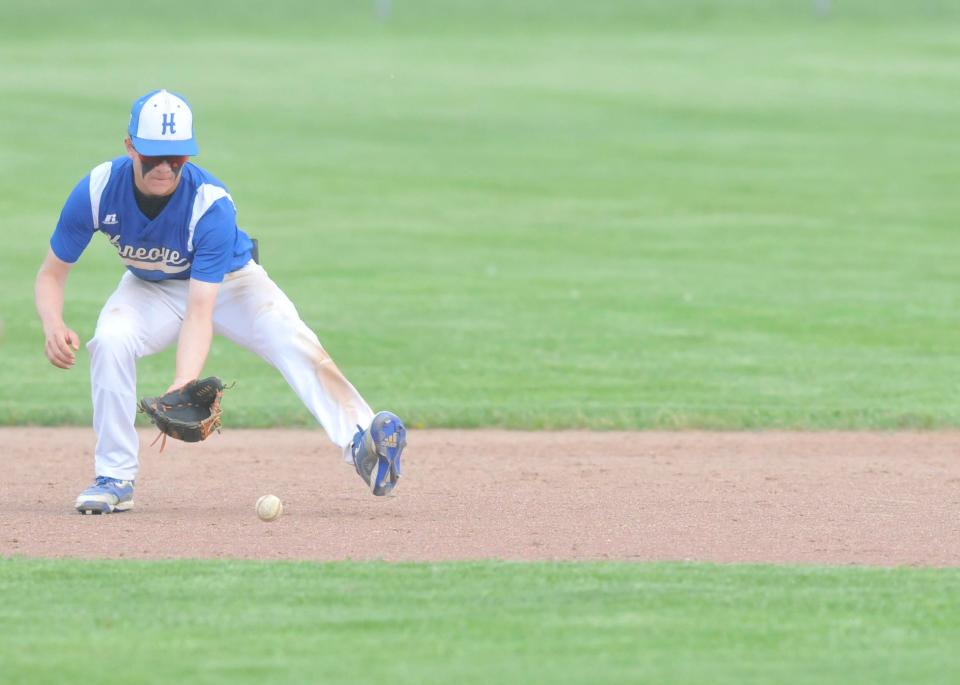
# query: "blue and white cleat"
376 452
106 496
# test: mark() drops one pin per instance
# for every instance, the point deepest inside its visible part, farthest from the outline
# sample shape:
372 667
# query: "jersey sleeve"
75 226
213 241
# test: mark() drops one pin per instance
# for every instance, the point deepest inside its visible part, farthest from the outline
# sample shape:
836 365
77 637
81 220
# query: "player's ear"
128 145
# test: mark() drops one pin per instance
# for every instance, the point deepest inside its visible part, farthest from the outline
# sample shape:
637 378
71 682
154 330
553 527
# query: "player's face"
157 176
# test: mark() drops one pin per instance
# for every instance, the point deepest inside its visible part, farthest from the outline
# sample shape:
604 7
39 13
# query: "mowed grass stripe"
242 622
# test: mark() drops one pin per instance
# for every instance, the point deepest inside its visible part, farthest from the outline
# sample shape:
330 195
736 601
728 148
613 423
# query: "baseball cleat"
106 496
376 452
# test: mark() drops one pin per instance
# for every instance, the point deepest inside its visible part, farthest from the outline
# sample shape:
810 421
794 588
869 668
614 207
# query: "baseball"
269 508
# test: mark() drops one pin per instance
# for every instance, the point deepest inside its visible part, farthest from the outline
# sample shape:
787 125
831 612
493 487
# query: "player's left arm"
214 239
196 332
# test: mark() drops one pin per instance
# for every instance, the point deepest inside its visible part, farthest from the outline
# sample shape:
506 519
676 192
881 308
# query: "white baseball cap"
161 123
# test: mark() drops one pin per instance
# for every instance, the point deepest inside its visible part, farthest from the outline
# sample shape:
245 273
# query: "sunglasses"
175 161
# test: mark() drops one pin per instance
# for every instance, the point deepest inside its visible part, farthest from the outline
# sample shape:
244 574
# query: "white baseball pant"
143 317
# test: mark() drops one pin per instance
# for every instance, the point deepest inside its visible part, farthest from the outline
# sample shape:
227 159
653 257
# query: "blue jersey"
194 236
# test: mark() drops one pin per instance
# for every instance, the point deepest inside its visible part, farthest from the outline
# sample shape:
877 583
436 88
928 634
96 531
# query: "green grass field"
533 214
236 623
628 214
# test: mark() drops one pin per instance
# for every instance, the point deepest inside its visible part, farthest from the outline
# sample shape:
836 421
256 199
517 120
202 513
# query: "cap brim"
160 148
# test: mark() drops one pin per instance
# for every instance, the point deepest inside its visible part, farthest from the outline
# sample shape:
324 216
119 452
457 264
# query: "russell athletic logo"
151 259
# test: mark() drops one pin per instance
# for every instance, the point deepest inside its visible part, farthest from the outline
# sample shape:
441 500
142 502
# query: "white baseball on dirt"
269 508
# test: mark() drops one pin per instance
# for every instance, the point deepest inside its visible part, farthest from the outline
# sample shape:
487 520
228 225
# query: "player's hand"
61 346
178 383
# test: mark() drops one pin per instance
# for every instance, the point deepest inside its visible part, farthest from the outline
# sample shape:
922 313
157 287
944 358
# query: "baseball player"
190 273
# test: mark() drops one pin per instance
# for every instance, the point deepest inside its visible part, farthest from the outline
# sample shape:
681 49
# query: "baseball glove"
190 413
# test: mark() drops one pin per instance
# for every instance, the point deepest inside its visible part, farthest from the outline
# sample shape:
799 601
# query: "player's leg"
139 318
255 313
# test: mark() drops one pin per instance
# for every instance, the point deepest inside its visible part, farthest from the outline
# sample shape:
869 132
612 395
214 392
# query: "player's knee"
294 344
114 339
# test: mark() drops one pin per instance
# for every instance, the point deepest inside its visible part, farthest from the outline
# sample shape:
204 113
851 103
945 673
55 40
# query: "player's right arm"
69 239
48 291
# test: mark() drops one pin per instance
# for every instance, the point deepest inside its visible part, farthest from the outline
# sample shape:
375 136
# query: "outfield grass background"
531 214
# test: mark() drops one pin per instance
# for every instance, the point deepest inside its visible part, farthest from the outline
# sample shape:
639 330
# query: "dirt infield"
830 498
